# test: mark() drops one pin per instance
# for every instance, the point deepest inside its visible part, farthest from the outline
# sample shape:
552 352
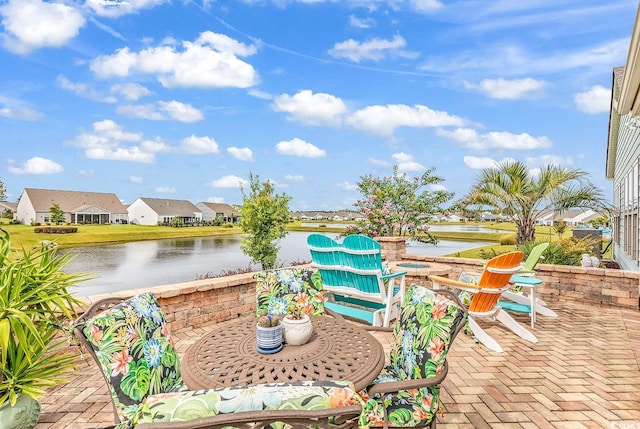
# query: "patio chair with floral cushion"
276 290
131 342
407 391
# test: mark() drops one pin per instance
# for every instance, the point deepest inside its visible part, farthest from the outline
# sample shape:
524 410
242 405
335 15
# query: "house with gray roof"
79 207
155 211
6 206
210 211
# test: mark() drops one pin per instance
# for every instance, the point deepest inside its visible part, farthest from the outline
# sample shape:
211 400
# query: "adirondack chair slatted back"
533 258
496 275
355 264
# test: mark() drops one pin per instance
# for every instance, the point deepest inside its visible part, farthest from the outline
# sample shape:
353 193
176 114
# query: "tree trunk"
526 233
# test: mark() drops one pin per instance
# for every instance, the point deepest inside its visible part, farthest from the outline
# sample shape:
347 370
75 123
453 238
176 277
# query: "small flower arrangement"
295 311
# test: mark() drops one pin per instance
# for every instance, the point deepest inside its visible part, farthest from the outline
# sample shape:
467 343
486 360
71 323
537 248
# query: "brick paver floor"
583 373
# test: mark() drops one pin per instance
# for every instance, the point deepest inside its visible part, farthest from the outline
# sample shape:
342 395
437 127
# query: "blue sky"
182 99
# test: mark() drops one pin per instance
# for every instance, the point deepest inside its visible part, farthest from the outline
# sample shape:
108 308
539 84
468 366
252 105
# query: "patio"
583 373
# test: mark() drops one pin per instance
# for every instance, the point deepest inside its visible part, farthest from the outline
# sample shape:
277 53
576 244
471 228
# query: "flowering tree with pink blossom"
399 205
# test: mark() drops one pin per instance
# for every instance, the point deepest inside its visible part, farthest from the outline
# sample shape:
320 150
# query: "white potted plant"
297 326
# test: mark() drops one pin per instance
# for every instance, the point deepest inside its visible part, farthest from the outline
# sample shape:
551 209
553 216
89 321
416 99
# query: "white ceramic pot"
296 331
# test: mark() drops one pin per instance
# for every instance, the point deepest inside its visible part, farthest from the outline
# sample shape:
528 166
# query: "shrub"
568 251
508 240
55 230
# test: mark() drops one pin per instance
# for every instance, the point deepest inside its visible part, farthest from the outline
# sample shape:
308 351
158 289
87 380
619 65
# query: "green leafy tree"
512 190
3 192
560 227
399 205
57 214
264 216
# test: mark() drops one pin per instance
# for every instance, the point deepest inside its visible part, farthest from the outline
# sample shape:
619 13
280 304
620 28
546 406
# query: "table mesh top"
337 350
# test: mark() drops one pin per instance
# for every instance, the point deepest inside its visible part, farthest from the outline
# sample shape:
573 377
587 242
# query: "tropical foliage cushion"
306 395
277 289
136 352
421 340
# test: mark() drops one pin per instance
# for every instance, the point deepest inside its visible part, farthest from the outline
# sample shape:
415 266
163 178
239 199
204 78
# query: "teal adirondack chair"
353 272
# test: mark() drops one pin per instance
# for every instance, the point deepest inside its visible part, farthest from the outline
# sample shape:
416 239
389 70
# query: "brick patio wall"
619 288
202 302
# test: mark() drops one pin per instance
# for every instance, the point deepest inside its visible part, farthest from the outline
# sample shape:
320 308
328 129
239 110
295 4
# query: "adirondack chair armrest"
454 283
394 275
333 314
396 386
378 328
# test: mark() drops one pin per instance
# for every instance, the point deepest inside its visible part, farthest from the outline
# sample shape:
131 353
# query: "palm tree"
511 189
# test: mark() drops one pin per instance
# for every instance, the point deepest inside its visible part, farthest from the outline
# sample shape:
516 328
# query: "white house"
212 210
79 207
623 156
154 211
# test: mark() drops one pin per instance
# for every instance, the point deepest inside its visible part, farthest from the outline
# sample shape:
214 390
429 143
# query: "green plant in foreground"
34 298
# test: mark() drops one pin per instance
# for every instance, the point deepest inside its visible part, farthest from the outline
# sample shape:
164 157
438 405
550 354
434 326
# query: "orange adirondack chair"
481 292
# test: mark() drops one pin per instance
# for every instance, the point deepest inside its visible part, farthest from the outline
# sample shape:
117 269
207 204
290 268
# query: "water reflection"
162 262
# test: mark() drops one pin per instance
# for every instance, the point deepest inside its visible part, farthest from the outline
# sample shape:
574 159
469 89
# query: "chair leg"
483 337
510 323
522 299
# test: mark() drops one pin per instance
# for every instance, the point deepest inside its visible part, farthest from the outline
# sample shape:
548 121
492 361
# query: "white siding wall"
25 211
141 214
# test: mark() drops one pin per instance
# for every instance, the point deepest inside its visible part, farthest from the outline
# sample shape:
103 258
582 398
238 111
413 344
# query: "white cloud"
21 113
109 141
83 90
136 179
406 162
436 188
549 159
361 22
260 94
426 5
34 24
596 100
298 147
217 200
383 120
374 49
86 173
162 110
199 145
211 61
514 89
229 181
310 108
37 166
513 60
294 178
165 190
495 140
241 153
477 163
116 8
347 186
379 162
130 91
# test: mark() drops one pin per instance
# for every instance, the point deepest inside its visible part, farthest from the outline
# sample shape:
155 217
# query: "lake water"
160 262
438 227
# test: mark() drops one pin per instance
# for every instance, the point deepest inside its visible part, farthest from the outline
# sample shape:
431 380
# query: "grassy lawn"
87 235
